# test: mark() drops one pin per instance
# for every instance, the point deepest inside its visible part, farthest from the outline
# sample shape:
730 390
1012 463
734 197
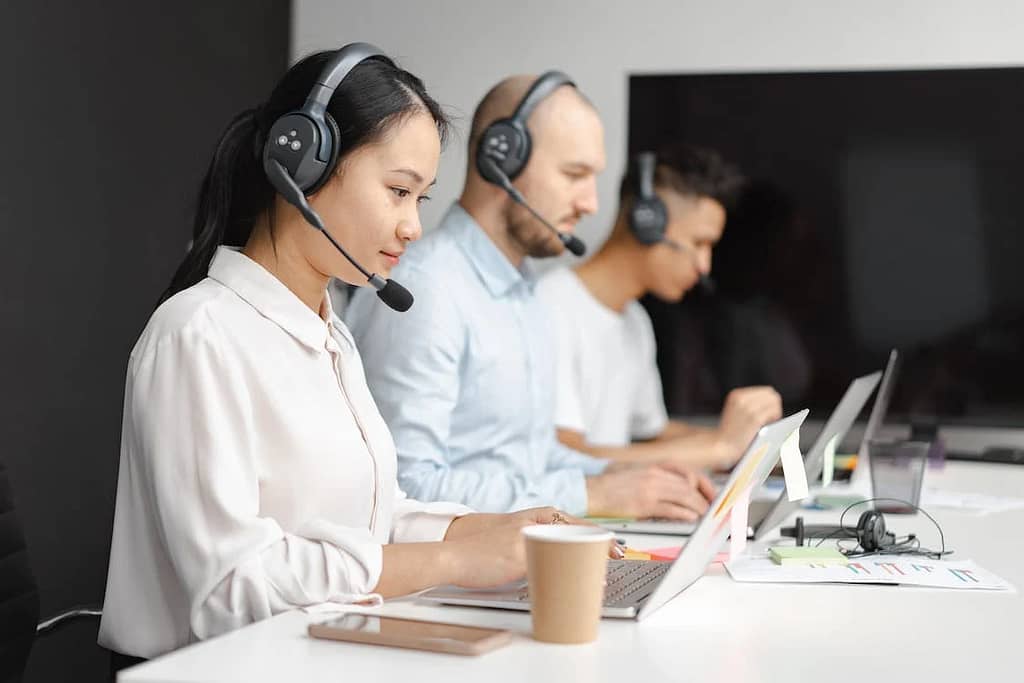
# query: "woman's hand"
488 550
485 560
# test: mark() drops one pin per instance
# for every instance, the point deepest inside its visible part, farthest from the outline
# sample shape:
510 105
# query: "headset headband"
548 82
330 78
645 167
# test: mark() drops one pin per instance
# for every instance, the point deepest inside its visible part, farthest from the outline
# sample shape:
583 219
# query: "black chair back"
19 596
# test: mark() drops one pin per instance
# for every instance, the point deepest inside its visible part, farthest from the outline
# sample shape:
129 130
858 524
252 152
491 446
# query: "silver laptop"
862 474
636 588
766 514
842 418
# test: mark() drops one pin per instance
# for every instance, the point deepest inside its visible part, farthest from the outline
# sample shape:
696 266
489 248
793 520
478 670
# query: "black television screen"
883 209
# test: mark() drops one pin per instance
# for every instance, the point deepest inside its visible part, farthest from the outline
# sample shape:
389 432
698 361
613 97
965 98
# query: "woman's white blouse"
256 474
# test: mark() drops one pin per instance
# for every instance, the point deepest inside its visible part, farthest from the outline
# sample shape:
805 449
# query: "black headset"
306 141
648 217
871 533
507 141
505 145
301 151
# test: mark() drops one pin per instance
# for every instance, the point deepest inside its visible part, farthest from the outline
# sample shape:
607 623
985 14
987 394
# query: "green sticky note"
790 555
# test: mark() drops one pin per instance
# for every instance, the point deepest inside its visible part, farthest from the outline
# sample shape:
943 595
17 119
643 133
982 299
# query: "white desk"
716 630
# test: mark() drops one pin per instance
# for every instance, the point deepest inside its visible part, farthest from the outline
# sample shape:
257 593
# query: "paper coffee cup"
566 567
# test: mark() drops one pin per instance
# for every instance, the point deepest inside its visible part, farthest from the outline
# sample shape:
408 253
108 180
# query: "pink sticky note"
665 554
738 525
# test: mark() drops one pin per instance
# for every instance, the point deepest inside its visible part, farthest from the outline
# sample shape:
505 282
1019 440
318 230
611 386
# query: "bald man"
464 379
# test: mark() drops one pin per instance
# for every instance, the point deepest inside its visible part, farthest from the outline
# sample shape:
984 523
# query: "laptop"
861 479
839 423
636 588
765 514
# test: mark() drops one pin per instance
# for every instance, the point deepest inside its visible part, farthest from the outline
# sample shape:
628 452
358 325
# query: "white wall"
460 49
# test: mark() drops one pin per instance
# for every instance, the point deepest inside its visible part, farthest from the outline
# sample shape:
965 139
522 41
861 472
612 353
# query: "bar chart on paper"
893 569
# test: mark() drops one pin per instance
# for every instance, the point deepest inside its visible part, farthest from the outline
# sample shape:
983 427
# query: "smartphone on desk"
411 633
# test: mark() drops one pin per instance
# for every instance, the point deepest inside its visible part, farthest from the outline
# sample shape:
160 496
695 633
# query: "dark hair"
690 171
375 96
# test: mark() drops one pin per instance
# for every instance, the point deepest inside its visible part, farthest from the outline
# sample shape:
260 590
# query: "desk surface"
716 630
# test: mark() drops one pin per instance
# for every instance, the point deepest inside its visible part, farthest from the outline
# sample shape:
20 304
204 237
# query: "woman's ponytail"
229 200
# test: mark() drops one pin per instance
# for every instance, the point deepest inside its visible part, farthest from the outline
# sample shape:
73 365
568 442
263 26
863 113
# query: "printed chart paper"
891 569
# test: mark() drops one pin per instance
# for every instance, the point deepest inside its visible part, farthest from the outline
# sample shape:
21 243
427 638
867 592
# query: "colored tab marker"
793 467
829 467
738 525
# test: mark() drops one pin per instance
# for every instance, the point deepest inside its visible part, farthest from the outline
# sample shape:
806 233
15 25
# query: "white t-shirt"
608 386
256 474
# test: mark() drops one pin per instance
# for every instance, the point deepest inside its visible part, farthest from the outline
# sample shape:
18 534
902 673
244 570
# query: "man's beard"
532 236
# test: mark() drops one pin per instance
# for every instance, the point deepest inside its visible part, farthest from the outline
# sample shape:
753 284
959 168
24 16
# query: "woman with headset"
256 474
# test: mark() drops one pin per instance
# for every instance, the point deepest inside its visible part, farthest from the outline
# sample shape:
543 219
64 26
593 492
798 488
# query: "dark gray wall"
110 113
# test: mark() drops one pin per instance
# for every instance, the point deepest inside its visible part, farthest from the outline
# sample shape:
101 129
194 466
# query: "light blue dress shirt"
465 378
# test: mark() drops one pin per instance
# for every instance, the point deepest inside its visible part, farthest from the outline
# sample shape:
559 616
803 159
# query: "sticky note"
829 467
790 555
793 467
631 554
738 525
672 552
665 554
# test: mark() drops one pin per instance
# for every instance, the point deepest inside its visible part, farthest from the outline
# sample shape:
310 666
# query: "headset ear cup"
507 144
881 540
648 216
332 160
648 220
871 530
518 162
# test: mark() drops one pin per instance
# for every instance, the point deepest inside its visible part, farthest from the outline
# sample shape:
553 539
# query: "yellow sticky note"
828 470
793 467
636 555
738 525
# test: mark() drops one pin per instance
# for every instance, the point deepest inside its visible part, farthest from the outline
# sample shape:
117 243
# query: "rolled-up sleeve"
190 436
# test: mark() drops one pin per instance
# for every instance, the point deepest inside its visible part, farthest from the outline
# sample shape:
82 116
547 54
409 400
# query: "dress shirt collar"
492 266
268 295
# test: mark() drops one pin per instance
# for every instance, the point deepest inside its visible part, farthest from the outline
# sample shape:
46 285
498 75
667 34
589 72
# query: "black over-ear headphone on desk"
870 532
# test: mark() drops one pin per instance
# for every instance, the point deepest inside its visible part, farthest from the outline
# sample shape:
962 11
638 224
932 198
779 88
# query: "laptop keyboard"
626 581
